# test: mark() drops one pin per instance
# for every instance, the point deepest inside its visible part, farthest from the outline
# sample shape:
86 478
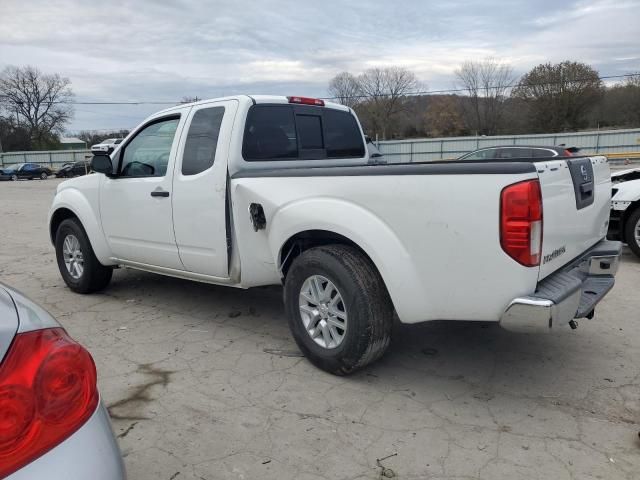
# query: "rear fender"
366 230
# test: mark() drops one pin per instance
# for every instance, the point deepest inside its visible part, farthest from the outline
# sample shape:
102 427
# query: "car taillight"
567 153
47 392
521 222
306 101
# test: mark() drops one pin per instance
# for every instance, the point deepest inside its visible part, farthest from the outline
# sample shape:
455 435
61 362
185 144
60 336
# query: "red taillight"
306 101
47 391
521 222
567 153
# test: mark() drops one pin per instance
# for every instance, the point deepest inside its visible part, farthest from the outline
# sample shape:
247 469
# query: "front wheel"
632 231
339 310
78 265
14 178
43 176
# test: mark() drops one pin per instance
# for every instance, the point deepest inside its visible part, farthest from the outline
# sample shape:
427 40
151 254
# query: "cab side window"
202 139
147 155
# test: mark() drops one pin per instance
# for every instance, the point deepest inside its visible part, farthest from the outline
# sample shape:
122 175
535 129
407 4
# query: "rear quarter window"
286 132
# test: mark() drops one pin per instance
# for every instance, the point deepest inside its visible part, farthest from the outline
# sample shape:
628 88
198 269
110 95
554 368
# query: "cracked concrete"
204 382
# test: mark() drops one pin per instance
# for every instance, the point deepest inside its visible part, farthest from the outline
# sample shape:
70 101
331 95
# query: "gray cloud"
164 50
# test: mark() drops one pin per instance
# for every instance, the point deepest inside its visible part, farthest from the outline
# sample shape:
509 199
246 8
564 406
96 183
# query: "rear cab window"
297 132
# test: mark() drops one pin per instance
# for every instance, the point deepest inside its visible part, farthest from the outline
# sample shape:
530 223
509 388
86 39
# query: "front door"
135 205
200 189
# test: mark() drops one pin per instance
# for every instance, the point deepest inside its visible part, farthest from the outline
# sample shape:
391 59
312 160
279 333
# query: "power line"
407 94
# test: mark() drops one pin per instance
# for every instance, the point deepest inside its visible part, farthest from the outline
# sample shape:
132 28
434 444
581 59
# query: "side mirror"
102 164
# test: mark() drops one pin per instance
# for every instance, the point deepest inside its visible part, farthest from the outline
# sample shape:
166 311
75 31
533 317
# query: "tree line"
489 99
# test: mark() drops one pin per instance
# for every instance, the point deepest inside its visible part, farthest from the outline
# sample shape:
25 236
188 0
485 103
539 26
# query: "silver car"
52 423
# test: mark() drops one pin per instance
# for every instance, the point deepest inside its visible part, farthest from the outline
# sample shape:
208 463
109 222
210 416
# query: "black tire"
366 300
43 176
629 234
14 178
95 276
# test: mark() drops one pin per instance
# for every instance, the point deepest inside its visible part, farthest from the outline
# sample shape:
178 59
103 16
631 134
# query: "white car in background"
52 423
107 145
624 220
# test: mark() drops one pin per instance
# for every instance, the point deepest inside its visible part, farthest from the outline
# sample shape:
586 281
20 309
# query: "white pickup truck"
258 190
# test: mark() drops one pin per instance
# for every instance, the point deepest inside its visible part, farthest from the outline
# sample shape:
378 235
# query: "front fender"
76 201
627 191
366 230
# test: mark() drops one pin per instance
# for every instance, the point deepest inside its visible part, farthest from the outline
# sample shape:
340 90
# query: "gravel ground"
204 382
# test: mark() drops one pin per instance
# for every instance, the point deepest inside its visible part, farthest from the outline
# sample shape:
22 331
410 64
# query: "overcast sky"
163 50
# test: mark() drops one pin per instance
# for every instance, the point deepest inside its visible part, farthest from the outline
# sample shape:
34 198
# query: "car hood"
7 170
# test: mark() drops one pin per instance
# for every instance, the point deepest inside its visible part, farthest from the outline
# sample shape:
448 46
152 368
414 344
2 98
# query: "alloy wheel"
73 259
323 311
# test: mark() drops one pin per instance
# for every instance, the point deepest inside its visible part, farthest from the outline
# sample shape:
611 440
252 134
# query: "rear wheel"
338 307
632 231
43 176
78 265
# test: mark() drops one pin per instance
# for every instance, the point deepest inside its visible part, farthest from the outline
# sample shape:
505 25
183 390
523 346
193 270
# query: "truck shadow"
475 357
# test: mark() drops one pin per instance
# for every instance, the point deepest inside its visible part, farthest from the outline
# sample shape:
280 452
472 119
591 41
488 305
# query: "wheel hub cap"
73 258
323 311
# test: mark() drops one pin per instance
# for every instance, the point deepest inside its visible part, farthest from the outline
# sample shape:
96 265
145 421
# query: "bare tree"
486 83
190 99
39 102
560 95
384 90
345 89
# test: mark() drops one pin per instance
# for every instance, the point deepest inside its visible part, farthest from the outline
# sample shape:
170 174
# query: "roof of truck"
255 98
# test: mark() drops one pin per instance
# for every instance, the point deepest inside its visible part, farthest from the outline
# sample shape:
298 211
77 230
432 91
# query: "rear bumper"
570 293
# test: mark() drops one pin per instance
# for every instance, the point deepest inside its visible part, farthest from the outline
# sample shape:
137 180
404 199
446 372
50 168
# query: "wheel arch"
306 239
59 216
71 203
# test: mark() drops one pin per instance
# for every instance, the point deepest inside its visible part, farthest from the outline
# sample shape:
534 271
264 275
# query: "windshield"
15 166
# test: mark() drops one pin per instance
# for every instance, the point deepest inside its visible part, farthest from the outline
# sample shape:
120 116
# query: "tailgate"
576 195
